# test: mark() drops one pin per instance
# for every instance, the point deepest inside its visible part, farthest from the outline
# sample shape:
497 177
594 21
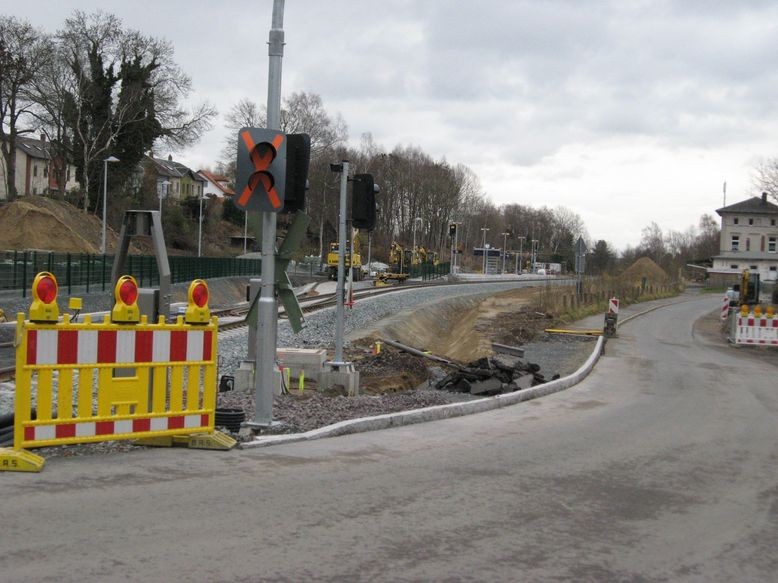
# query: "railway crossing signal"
260 171
363 201
298 158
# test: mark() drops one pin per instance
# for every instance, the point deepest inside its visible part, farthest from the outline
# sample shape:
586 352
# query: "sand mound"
644 268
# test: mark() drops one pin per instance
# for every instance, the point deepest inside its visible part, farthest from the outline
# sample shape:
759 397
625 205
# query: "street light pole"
200 229
534 256
105 197
504 243
518 261
484 229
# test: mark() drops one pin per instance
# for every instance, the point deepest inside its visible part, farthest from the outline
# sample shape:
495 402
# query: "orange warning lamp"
44 306
125 309
197 312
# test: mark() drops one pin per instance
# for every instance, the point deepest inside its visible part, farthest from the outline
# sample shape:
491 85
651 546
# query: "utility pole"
340 312
519 269
484 229
267 330
504 243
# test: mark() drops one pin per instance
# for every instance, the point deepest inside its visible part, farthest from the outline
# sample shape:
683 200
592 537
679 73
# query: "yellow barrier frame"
150 397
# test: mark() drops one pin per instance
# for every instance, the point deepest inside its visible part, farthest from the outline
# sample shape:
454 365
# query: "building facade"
35 173
749 240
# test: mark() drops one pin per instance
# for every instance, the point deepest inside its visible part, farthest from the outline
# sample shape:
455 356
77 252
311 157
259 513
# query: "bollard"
301 386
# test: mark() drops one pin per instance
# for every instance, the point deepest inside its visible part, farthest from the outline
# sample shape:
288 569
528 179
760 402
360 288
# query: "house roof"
218 180
33 148
754 204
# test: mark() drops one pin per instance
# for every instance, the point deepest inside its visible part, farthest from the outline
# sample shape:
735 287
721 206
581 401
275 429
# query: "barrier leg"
20 460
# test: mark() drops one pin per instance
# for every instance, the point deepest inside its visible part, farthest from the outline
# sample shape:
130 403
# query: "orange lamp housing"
197 312
125 309
44 306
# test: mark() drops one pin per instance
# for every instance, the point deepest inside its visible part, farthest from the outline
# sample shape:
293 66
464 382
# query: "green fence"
429 270
93 272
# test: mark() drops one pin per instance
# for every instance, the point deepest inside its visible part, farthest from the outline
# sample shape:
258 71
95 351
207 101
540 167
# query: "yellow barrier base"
574 332
216 440
20 460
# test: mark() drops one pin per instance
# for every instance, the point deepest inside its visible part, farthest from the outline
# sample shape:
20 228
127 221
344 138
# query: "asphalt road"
661 466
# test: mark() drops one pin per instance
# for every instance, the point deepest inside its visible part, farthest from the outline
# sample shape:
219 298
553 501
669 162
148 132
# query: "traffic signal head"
197 311
260 171
298 158
452 230
363 201
44 298
125 309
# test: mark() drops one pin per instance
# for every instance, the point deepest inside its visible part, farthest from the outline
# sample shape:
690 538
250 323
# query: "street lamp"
165 184
105 196
484 229
504 243
200 229
534 256
518 261
414 231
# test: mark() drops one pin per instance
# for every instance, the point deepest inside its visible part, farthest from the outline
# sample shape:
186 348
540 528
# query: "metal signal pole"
267 331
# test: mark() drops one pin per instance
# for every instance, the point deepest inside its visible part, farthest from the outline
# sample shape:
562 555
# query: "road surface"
661 466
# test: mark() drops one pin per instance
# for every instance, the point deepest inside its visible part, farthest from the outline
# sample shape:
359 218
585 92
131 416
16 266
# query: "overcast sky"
626 112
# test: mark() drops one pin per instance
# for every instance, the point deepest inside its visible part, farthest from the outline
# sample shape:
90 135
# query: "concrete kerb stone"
436 412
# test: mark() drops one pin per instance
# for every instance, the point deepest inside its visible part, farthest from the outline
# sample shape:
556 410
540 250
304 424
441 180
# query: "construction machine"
353 259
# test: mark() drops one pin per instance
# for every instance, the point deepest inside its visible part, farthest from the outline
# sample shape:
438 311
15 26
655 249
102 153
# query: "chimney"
170 157
764 198
43 137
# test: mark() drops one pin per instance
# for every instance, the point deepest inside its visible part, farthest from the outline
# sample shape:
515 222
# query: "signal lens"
128 292
47 289
200 295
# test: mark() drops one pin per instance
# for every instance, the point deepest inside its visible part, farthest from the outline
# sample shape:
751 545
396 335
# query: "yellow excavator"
353 259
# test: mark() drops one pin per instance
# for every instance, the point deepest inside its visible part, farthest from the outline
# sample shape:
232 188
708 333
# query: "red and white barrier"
753 330
613 306
75 347
725 309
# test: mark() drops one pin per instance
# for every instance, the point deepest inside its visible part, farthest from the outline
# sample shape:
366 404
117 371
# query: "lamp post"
105 197
200 229
414 231
504 243
534 256
484 229
518 261
165 184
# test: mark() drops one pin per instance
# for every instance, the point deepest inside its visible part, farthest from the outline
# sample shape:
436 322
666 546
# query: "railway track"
235 317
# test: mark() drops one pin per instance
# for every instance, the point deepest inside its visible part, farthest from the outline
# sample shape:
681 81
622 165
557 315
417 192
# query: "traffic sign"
580 256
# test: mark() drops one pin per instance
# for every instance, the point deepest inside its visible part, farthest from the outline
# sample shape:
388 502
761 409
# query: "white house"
35 169
749 239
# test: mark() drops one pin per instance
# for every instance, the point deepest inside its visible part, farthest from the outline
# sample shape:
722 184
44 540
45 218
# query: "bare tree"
765 177
22 52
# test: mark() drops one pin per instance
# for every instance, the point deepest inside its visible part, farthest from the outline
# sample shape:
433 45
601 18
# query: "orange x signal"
261 161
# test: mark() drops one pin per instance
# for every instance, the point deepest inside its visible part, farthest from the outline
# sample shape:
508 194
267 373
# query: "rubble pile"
493 375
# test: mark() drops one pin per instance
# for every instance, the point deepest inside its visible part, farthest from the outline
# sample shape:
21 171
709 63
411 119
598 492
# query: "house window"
753 267
748 244
67 176
733 266
45 171
735 243
773 268
34 170
772 222
771 244
750 221
735 221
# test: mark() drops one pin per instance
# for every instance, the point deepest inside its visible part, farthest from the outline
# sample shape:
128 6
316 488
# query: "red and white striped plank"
85 347
118 428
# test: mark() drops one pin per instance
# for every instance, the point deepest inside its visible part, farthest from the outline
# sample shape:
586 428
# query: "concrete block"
310 360
485 387
244 378
339 375
524 381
